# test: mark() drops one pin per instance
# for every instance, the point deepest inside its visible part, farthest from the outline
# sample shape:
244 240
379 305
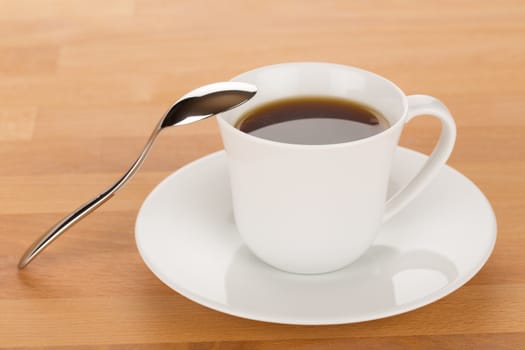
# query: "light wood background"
83 82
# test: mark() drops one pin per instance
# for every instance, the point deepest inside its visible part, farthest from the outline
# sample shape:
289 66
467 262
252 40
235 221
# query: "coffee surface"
312 120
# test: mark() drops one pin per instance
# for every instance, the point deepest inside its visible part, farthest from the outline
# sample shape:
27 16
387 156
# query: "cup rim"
368 139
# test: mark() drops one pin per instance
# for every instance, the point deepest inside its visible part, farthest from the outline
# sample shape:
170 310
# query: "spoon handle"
88 207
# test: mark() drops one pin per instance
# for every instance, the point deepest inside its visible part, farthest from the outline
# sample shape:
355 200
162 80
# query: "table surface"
83 82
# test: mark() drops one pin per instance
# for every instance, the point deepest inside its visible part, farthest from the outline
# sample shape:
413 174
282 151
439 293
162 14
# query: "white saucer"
186 235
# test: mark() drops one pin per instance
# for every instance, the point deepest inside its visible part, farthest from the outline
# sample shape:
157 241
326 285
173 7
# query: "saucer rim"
237 312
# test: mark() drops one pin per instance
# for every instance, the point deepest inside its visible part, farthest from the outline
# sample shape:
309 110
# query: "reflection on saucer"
380 279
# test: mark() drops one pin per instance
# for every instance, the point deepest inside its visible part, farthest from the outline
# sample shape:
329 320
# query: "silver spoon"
198 104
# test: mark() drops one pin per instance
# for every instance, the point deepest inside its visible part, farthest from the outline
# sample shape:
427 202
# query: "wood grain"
83 82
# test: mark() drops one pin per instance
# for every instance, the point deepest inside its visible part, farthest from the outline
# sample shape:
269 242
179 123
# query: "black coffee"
312 120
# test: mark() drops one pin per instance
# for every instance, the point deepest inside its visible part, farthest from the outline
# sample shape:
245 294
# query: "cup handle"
425 105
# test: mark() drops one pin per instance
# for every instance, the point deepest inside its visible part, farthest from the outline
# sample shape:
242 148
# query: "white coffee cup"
317 208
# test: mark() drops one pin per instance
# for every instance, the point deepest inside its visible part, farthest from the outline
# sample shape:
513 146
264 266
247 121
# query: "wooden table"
83 82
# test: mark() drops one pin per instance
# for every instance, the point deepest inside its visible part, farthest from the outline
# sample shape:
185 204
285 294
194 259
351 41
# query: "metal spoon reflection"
198 104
